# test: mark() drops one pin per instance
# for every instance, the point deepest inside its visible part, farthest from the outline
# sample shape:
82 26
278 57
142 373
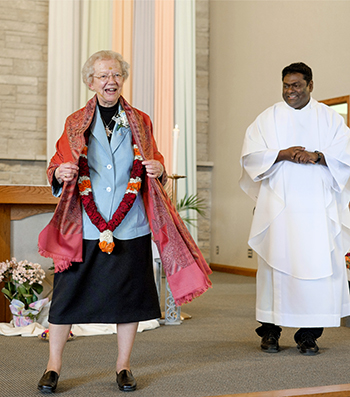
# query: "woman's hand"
66 172
154 168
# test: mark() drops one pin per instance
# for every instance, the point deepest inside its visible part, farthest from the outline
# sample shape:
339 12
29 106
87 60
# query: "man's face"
296 92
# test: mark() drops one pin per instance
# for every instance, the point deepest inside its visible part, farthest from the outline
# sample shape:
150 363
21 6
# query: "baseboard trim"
243 271
321 391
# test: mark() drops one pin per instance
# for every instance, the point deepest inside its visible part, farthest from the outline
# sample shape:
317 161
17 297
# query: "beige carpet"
216 352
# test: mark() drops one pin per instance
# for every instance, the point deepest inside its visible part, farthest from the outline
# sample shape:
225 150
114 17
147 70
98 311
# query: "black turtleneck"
107 114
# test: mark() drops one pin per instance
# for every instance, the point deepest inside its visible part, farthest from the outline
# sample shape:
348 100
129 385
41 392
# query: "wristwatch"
319 157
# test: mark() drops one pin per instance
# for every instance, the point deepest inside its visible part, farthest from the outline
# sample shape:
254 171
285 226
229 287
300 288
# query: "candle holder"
175 178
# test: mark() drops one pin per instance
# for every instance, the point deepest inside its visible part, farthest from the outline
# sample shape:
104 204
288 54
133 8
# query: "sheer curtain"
122 39
164 78
63 80
143 57
97 17
77 28
185 98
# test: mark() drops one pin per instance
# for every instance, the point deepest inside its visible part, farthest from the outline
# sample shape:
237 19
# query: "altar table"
18 202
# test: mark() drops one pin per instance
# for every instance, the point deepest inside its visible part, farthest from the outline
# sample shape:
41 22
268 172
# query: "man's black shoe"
269 342
307 344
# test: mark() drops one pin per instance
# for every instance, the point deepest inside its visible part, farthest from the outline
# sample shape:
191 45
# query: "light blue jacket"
110 165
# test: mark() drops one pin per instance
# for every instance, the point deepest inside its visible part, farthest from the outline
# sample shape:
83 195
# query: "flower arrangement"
23 283
46 335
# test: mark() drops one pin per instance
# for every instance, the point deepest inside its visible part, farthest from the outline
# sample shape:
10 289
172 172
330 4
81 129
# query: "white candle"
176 132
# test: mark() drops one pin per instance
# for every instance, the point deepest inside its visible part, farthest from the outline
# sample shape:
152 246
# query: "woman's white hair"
106 55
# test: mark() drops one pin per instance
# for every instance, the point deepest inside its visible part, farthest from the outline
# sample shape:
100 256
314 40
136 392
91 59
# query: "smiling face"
108 92
296 92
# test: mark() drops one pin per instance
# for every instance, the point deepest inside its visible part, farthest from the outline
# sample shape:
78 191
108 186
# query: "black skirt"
107 288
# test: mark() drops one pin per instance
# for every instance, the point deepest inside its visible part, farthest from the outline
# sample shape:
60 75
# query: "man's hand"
298 154
306 157
290 154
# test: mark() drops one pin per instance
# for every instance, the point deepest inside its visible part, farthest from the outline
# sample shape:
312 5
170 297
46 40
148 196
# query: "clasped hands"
298 154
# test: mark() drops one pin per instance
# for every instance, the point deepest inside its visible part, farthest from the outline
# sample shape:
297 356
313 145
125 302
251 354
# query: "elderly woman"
100 234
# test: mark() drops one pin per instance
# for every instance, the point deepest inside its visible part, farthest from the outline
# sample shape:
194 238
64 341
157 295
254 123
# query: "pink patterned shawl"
186 269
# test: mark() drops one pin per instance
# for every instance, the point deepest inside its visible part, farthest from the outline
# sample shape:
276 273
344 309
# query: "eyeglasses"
105 77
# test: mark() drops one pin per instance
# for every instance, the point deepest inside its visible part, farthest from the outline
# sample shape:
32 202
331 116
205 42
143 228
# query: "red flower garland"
85 190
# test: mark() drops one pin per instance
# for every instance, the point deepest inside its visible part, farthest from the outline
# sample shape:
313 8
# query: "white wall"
250 43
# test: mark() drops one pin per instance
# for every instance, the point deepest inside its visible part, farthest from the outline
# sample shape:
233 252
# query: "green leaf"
38 288
7 294
190 221
11 287
21 289
192 202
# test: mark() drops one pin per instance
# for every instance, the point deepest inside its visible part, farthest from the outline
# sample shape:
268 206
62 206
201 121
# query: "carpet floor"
215 352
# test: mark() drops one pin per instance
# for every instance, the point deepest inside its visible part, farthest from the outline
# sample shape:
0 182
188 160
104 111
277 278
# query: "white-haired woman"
102 256
100 235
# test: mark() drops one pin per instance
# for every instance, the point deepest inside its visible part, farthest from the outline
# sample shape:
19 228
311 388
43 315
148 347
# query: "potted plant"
22 287
191 202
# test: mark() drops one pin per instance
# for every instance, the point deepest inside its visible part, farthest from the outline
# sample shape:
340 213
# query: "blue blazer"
110 166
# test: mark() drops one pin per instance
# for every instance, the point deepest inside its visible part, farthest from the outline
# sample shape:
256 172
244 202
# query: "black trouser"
268 327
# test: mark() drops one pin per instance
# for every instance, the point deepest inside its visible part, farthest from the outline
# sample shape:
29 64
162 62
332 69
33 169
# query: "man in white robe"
296 165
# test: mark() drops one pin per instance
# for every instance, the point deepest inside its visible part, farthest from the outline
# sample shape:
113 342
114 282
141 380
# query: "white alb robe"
301 224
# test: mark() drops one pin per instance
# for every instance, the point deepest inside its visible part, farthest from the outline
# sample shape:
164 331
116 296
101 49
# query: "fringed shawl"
184 265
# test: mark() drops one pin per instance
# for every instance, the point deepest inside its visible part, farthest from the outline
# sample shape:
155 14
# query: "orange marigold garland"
84 184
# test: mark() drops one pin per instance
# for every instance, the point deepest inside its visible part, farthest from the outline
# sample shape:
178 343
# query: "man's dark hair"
298 67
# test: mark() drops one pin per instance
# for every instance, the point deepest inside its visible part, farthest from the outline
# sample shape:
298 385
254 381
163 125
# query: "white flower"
22 271
107 236
121 120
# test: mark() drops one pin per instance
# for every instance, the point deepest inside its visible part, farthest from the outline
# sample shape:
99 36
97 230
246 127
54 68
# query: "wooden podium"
18 202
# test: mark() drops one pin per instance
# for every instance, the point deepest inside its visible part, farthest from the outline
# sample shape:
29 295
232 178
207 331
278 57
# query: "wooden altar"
18 202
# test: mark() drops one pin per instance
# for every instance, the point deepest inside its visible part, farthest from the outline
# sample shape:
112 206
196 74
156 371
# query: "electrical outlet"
250 253
217 250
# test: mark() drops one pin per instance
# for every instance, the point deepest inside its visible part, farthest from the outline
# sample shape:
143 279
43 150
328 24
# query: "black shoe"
48 382
126 381
269 342
307 344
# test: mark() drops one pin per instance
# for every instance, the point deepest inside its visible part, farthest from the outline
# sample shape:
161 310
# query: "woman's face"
107 81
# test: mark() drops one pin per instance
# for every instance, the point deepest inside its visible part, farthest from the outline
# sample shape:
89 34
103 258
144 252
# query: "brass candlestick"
175 178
